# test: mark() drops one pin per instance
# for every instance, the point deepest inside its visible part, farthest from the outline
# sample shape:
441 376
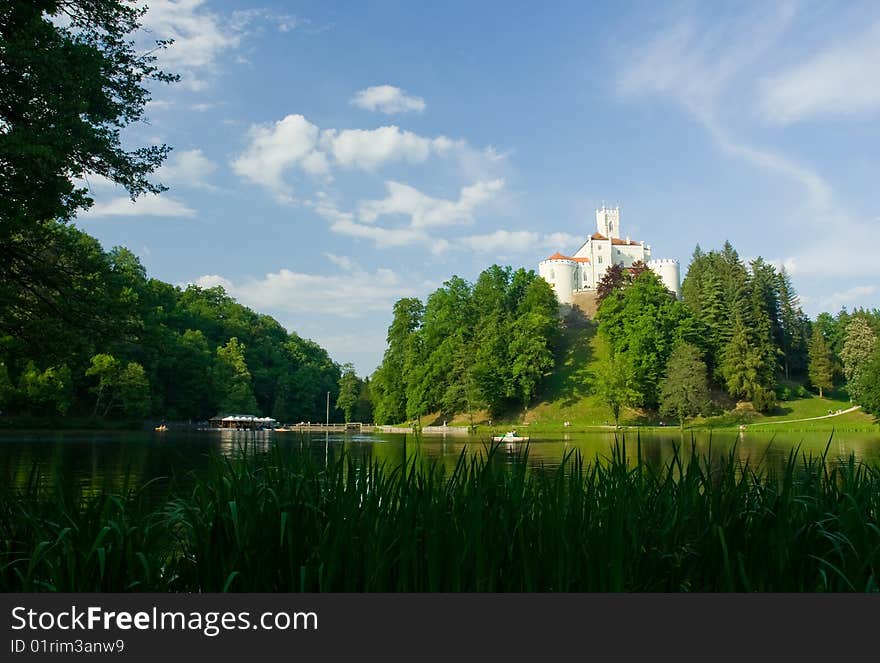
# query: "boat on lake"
510 436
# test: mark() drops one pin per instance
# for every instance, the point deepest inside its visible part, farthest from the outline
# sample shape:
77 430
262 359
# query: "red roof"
616 241
559 256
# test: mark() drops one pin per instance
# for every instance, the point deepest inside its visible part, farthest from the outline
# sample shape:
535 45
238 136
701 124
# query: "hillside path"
793 421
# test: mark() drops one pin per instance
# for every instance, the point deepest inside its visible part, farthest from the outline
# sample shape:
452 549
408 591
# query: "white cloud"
508 242
840 80
95 183
387 99
343 223
847 252
818 189
836 300
200 37
385 238
273 148
422 211
243 18
146 205
350 294
425 211
157 105
696 66
294 142
187 168
368 149
343 262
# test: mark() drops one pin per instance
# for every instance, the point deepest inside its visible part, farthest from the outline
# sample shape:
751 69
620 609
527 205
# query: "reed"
276 521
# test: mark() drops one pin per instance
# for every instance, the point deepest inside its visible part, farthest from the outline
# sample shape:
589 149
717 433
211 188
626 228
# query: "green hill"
566 396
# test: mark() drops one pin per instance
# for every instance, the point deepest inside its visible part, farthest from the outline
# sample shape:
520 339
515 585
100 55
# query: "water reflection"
111 460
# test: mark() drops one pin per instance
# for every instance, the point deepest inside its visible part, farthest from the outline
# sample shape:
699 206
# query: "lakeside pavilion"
242 422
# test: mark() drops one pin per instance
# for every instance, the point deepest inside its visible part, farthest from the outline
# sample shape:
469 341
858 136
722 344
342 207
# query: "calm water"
105 458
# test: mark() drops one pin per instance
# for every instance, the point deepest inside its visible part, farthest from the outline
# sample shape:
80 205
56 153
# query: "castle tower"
562 273
669 272
608 221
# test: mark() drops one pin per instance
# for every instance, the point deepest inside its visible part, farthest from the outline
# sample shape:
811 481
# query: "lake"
100 458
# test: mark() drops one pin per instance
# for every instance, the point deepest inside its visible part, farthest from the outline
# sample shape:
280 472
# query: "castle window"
552 273
600 260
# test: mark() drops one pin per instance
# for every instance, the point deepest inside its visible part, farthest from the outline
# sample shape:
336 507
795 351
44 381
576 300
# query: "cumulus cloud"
187 168
508 242
840 80
350 293
146 205
273 148
422 212
202 37
294 142
344 223
425 211
368 149
387 99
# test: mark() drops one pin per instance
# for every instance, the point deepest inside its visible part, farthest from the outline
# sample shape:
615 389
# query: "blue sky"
331 158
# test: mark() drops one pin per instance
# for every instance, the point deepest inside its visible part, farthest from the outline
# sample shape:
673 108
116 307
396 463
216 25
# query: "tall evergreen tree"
684 390
744 370
795 327
821 367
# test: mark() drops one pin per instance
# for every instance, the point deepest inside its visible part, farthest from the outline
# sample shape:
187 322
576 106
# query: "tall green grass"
277 522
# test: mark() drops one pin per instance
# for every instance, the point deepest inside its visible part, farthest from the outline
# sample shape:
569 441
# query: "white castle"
574 277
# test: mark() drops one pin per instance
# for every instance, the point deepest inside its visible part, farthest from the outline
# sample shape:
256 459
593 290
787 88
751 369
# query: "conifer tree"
743 370
821 367
795 326
684 391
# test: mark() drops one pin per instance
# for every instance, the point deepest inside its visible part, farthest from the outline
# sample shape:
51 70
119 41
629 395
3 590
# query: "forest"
738 334
469 347
85 333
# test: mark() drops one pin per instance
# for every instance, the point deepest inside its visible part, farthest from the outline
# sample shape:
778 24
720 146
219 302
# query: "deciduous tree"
232 379
858 348
349 390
